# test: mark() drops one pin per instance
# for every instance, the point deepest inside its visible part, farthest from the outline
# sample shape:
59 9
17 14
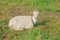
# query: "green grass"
43 5
47 27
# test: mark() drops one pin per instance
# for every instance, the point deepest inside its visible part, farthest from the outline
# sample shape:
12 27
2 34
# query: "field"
47 26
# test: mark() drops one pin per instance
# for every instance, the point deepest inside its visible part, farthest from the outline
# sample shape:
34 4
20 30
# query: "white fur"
23 22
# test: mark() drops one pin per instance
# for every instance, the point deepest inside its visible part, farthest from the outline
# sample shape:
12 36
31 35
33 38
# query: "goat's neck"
34 19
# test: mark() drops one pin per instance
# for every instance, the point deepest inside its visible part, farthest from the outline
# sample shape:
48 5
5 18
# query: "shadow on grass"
42 22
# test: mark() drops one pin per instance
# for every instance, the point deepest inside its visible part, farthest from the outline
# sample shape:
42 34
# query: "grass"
47 27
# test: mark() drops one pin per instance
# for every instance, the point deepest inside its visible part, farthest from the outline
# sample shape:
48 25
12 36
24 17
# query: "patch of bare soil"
50 13
16 11
54 13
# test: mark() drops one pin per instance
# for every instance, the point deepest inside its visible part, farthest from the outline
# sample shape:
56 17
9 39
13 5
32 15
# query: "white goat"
23 22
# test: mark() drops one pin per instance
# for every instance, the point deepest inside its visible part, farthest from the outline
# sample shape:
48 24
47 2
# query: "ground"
47 26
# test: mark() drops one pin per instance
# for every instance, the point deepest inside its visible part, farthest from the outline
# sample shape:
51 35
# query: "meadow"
47 26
